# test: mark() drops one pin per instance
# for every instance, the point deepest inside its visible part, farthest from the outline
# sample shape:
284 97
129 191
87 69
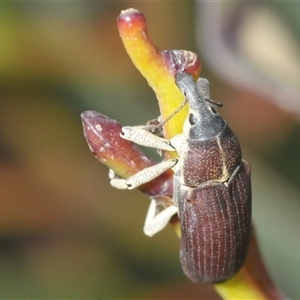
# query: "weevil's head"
203 120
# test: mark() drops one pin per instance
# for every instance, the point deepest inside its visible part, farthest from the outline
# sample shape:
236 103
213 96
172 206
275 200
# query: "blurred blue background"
64 232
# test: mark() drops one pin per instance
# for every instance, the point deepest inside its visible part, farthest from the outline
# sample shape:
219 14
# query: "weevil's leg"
155 126
112 174
143 176
146 135
143 137
116 181
156 222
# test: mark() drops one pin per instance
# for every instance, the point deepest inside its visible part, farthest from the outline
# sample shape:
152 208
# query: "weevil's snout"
203 121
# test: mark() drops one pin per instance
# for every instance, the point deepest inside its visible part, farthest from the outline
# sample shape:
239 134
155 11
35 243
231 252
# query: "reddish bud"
123 157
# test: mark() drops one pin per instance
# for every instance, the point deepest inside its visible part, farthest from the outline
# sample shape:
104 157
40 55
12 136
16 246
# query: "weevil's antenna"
154 128
219 104
177 110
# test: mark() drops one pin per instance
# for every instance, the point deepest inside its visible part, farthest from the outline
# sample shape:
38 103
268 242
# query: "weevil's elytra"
215 224
211 187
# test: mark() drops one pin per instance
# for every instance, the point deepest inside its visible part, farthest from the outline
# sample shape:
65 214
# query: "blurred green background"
64 232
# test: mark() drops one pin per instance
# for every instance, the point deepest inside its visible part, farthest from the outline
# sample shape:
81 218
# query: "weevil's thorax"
212 150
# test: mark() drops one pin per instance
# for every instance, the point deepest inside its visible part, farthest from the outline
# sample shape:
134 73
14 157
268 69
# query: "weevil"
211 187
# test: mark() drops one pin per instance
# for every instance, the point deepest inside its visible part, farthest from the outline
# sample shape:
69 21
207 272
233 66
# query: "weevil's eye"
213 110
192 119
